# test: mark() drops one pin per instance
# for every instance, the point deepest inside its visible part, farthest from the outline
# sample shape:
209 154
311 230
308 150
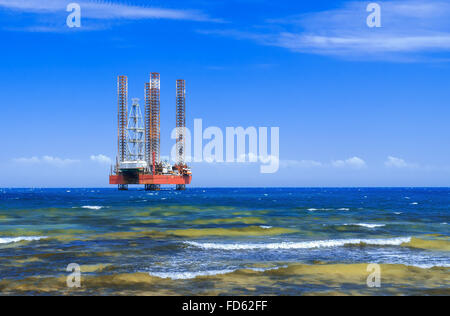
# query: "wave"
328 209
193 275
8 240
188 275
89 207
304 279
366 225
267 269
302 245
236 231
430 266
291 269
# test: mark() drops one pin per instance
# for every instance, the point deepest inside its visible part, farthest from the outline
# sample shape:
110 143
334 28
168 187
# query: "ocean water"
225 241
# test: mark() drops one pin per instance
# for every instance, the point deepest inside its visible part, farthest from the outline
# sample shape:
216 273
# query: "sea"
225 241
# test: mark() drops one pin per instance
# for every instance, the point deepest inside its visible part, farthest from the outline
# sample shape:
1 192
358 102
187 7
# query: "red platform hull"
150 179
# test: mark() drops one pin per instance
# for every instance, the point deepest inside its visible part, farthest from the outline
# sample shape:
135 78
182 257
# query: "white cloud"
394 162
31 160
360 45
98 11
300 163
410 29
32 5
58 161
50 160
353 162
101 159
121 11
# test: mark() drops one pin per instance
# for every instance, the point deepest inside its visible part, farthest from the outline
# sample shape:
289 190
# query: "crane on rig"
138 160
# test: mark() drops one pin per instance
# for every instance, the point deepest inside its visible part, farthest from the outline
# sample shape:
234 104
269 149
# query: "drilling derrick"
136 132
181 120
148 124
155 112
122 86
181 127
139 160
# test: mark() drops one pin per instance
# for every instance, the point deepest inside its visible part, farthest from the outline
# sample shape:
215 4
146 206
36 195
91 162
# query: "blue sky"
356 106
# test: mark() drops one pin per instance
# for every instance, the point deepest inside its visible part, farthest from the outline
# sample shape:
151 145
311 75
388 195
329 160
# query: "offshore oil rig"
138 160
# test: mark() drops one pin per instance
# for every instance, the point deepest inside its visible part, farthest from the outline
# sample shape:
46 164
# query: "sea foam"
366 225
8 240
302 245
188 275
193 275
430 266
328 209
89 207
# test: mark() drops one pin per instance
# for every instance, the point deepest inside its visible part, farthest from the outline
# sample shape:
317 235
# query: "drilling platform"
138 160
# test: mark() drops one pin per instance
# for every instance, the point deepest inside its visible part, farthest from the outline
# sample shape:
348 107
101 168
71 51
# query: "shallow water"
225 241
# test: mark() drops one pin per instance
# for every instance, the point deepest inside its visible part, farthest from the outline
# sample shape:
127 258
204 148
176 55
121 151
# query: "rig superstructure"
138 160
